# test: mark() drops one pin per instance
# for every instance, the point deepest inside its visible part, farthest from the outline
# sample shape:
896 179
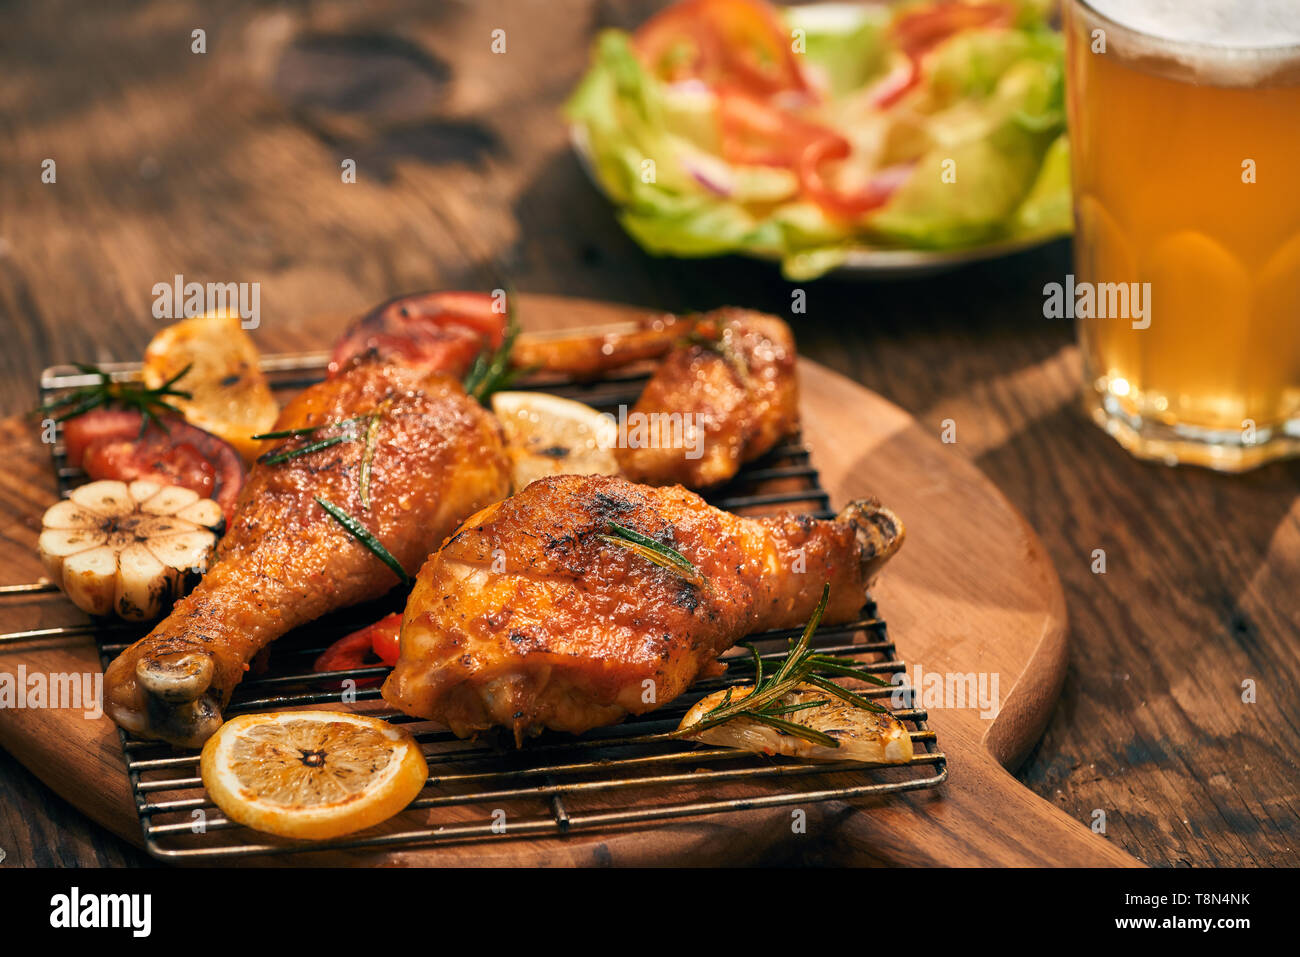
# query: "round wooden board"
971 592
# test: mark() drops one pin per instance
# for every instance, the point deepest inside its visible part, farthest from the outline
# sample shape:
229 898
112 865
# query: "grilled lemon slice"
229 396
128 548
549 435
866 736
312 775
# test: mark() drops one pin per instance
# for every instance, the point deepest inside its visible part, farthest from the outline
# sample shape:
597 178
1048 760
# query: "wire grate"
630 774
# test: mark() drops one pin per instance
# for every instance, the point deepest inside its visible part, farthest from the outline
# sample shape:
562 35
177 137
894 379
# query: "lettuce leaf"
969 191
846 42
1047 210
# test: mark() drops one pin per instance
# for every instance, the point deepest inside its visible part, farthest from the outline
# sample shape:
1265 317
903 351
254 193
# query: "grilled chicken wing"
528 617
721 398
583 355
437 457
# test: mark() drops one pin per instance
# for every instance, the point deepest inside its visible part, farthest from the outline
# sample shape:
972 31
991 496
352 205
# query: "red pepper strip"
755 132
358 649
742 42
917 32
384 635
849 205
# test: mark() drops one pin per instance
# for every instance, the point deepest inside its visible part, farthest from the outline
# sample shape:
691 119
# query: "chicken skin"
530 617
437 456
726 394
585 356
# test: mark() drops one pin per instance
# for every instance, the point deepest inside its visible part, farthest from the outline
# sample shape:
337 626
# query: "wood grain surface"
224 166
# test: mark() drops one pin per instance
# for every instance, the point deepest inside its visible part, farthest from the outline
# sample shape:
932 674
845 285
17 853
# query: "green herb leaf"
491 370
792 708
372 428
304 450
792 728
129 395
758 665
653 551
311 429
835 666
726 700
287 433
854 699
364 536
800 650
762 702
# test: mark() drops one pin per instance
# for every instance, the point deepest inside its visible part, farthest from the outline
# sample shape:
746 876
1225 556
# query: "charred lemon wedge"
857 735
549 435
229 395
311 775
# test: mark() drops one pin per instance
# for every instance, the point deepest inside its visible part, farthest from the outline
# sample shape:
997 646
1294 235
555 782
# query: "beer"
1185 145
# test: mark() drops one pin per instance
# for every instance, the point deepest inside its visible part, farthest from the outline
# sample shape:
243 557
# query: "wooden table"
225 166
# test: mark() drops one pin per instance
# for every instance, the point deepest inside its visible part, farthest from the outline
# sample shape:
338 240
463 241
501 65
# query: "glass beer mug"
1185 144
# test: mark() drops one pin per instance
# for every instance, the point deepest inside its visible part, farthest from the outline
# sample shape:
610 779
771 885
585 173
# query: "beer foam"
1248 24
1221 42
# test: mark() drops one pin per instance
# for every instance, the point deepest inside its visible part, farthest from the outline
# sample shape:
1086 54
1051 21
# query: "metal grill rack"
631 774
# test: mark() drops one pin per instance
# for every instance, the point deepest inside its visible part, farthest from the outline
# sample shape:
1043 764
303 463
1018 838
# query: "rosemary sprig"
309 430
367 457
785 680
364 536
758 664
287 433
491 370
837 667
303 450
800 666
792 708
798 730
150 403
840 692
654 551
350 433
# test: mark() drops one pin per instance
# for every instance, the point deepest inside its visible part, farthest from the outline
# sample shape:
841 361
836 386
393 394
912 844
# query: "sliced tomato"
364 648
440 331
739 42
920 30
115 444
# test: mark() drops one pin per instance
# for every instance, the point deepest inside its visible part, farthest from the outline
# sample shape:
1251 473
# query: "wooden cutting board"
971 591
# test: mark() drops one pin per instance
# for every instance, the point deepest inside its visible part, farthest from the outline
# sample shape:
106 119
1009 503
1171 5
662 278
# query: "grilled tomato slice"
118 444
440 331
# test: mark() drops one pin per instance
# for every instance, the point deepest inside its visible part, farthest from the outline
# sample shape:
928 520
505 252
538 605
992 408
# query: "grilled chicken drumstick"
530 617
436 457
722 397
